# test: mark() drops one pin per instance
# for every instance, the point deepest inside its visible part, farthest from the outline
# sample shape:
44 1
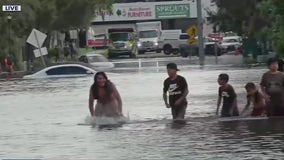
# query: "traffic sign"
192 31
36 38
192 41
40 52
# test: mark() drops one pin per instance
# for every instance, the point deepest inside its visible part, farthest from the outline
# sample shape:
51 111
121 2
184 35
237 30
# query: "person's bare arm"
261 102
218 104
262 88
246 106
185 93
183 96
118 97
265 95
91 103
165 96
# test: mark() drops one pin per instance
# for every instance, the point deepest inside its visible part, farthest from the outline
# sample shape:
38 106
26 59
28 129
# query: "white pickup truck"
171 41
180 44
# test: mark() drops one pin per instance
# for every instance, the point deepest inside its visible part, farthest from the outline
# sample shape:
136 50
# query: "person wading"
177 88
272 87
109 102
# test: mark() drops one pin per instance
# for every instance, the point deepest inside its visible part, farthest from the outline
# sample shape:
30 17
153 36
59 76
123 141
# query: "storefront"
173 15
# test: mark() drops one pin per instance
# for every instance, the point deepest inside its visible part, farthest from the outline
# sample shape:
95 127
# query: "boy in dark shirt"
227 92
177 88
272 86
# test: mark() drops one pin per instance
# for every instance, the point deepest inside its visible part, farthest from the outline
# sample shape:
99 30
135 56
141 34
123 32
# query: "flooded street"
46 119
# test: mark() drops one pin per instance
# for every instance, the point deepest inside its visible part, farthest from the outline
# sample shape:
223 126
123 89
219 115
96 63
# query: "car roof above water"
67 65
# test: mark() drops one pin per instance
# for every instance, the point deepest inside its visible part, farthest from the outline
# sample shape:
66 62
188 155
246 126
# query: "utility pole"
200 33
9 17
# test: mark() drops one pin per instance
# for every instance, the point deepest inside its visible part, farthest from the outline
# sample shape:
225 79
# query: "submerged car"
62 71
98 61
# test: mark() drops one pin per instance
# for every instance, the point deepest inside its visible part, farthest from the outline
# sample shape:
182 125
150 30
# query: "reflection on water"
39 119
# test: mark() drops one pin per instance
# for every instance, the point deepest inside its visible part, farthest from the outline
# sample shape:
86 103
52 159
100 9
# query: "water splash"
106 120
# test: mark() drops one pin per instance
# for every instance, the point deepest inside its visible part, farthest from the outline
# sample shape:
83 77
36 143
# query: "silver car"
98 61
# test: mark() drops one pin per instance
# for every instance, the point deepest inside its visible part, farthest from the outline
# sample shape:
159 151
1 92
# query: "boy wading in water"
272 88
256 98
177 87
227 92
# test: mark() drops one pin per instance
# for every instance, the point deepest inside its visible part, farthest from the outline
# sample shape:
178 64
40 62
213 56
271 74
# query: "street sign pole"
200 33
216 52
39 47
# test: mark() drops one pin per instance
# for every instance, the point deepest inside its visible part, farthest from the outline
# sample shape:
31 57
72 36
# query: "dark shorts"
179 112
225 112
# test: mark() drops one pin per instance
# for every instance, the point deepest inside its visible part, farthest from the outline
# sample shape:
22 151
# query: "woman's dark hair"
108 86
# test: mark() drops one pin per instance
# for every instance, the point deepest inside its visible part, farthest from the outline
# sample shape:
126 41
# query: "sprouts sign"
172 11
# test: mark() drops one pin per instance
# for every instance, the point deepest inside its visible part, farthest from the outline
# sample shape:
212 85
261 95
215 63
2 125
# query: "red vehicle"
216 36
99 41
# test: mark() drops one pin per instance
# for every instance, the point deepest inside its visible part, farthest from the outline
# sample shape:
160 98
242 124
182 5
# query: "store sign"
172 11
148 11
122 12
138 12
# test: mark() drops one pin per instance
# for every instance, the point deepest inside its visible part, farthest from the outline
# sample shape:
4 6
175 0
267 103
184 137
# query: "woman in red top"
108 98
9 64
256 98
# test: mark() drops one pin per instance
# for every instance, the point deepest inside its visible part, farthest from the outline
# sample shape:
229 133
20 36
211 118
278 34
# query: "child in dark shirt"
177 88
227 92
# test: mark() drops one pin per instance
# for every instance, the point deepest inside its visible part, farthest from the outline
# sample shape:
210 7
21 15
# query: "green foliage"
52 52
47 16
20 23
262 19
275 31
242 17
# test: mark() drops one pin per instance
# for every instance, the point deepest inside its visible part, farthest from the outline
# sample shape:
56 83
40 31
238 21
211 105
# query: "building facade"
172 14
